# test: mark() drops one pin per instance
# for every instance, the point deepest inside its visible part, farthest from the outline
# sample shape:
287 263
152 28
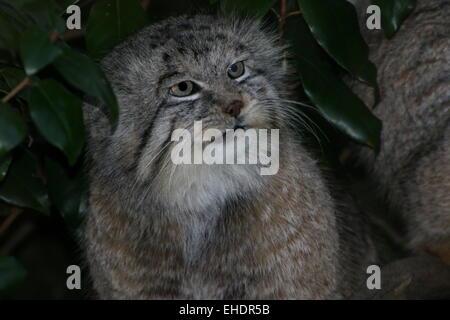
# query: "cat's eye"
182 89
236 70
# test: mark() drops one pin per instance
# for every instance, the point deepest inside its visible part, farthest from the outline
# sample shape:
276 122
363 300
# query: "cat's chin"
196 187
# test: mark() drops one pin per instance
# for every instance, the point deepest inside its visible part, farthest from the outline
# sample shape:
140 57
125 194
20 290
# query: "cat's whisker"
147 165
286 103
296 110
295 117
279 100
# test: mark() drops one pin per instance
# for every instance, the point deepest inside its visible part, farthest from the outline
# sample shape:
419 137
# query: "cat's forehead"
200 38
199 45
198 29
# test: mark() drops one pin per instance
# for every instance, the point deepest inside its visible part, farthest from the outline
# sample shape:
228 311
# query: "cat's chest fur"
206 257
270 243
239 248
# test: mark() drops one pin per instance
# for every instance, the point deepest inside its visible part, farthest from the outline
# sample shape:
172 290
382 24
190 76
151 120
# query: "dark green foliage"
58 116
4 166
84 74
37 50
120 18
393 13
334 24
11 272
22 185
12 76
326 89
67 191
46 70
13 129
257 8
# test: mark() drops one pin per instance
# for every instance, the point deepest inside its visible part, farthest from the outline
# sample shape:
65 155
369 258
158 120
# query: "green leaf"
5 56
63 4
257 8
37 50
12 76
5 162
45 14
58 116
12 22
393 13
67 192
334 24
22 187
84 74
12 129
110 21
9 35
11 272
17 16
333 98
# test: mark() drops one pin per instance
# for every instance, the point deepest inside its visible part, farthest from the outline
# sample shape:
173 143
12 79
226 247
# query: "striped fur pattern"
412 169
157 231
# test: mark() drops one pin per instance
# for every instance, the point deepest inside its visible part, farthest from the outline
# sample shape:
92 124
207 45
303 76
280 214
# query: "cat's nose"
234 108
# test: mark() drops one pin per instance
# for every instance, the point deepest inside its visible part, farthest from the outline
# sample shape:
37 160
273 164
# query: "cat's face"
223 72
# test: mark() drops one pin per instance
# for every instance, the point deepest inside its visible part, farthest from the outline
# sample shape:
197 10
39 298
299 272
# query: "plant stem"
293 13
16 90
15 212
145 4
72 34
282 17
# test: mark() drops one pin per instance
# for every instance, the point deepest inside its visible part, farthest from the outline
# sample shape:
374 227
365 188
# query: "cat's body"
412 169
155 230
280 242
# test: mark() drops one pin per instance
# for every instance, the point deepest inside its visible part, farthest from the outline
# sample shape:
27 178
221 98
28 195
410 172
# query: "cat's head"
225 72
